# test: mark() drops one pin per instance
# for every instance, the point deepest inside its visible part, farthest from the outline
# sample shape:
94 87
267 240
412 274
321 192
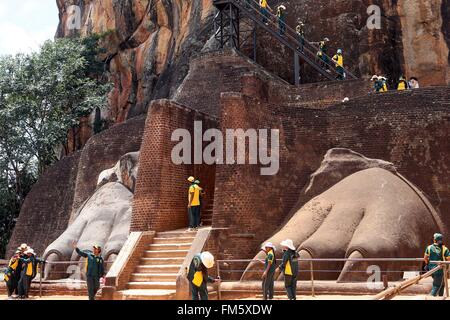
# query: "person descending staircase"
233 11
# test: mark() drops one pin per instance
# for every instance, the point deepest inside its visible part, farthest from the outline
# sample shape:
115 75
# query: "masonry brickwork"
160 201
410 129
44 214
102 152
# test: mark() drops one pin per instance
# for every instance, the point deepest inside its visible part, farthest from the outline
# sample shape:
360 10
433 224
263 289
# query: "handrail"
386 294
251 5
346 259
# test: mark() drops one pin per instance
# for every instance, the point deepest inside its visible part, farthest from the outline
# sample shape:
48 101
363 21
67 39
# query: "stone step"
176 234
153 285
156 277
165 253
137 294
161 261
169 246
173 240
152 269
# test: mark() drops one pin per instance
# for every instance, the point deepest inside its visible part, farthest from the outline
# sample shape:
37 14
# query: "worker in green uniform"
95 269
338 59
281 14
10 274
289 267
198 275
269 271
28 273
437 252
322 54
300 30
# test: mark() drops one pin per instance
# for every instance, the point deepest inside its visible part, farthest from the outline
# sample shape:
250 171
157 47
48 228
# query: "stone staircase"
207 215
155 276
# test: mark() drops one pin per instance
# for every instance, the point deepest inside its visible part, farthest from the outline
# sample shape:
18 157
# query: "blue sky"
26 24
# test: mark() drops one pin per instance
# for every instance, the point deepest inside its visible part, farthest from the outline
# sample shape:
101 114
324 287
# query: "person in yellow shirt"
383 84
264 9
339 61
198 275
11 277
193 204
402 84
289 267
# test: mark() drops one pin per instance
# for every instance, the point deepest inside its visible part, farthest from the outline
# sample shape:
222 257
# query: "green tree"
43 96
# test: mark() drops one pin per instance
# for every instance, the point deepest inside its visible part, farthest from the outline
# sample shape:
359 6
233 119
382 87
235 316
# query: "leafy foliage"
43 95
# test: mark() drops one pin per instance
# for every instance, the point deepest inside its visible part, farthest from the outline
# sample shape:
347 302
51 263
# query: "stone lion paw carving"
104 219
373 213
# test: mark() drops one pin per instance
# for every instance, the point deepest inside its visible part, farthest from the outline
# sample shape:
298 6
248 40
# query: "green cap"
438 236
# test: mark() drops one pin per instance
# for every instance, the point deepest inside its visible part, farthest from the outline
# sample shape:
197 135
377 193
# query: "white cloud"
26 24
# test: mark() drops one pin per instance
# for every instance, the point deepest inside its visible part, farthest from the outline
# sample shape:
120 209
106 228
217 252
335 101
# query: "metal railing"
63 273
223 269
307 50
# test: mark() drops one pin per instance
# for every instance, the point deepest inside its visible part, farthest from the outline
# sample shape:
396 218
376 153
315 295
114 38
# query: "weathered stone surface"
149 44
338 164
125 172
46 211
103 220
103 151
372 212
413 38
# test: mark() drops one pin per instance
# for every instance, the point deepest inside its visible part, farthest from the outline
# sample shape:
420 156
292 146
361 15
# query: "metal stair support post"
250 9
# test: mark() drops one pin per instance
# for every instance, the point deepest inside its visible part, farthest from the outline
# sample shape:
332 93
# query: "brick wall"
160 201
46 210
102 152
210 74
410 129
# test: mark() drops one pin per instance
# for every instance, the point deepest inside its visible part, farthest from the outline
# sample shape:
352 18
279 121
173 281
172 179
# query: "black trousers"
267 286
11 285
24 286
199 293
93 285
290 282
194 217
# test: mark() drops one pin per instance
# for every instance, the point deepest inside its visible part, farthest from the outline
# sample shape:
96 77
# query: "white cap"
288 243
207 259
269 245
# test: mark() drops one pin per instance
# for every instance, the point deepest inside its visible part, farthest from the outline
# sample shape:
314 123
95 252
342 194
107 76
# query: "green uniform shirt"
436 253
290 257
95 266
270 258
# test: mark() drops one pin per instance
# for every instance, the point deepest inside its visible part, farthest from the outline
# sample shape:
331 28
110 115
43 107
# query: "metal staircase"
228 23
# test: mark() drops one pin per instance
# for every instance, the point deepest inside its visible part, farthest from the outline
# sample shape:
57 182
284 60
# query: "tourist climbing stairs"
249 9
155 276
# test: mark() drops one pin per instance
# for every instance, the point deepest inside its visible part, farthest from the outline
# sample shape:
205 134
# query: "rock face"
413 38
148 45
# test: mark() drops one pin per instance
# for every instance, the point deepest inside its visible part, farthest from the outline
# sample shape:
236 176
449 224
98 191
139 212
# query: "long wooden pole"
391 292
